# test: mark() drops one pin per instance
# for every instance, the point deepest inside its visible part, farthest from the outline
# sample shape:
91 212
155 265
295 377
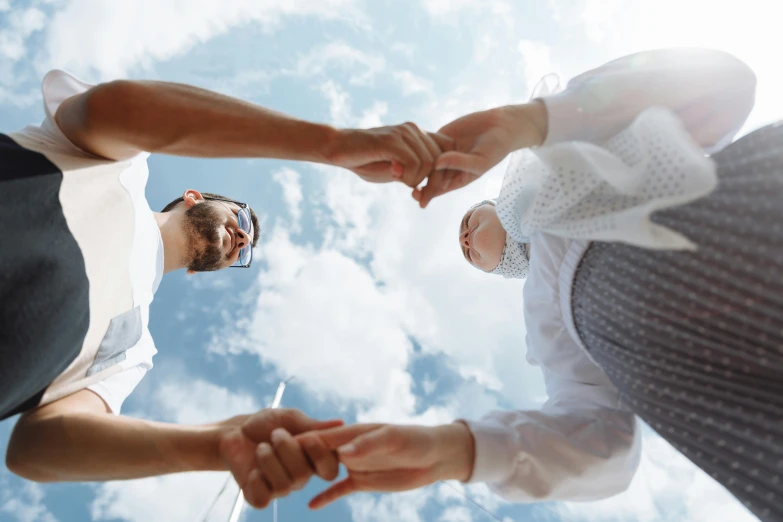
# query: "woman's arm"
572 449
712 92
580 446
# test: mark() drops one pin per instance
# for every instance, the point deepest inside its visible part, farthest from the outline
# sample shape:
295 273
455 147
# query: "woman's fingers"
336 437
333 492
386 481
437 184
465 162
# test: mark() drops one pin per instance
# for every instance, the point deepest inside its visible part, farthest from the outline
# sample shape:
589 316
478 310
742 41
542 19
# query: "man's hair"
208 195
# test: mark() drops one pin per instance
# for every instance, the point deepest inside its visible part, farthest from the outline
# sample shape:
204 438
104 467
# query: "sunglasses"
246 226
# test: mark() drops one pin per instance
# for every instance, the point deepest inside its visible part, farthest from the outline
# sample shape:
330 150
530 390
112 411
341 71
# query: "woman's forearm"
528 123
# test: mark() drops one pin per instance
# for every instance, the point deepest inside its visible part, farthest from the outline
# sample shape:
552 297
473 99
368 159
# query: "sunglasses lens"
244 220
245 255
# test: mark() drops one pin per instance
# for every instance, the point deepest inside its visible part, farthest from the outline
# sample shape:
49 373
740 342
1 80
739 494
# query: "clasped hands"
459 153
275 452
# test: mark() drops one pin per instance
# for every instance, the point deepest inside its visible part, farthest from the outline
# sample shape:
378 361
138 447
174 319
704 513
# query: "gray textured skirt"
694 340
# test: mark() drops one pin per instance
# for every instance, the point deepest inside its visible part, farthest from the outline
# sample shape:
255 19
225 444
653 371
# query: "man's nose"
242 239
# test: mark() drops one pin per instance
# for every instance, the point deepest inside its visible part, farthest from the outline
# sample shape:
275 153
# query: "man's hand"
265 459
396 153
481 141
397 458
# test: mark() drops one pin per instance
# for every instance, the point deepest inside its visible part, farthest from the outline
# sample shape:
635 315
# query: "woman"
654 288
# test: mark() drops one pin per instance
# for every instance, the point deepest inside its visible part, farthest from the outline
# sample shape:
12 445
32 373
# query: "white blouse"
583 444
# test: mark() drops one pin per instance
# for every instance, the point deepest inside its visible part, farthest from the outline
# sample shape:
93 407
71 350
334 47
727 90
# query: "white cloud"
595 17
405 48
456 514
21 24
26 505
339 103
321 317
175 498
338 55
5 5
117 37
412 84
536 61
441 8
289 181
391 507
373 116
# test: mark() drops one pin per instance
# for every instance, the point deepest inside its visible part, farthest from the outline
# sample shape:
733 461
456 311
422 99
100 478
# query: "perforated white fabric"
514 262
580 190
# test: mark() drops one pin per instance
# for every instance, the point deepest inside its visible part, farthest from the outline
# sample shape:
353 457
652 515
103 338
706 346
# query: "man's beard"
201 224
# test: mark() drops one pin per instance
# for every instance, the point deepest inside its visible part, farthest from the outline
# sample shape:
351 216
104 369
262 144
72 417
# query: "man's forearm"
97 447
121 118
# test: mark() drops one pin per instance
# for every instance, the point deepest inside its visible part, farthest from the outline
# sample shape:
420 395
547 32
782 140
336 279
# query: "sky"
356 293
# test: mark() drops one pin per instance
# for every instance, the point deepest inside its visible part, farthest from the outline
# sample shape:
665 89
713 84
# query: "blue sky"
359 295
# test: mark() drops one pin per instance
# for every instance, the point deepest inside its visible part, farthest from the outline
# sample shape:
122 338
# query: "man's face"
214 236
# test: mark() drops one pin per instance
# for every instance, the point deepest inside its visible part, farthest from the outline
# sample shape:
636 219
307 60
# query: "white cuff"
495 451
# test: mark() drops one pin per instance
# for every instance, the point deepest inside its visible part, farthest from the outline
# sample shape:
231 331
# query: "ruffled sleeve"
580 190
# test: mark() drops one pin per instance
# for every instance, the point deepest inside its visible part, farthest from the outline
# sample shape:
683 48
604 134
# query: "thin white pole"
239 502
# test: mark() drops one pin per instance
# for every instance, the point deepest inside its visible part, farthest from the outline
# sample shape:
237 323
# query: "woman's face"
482 237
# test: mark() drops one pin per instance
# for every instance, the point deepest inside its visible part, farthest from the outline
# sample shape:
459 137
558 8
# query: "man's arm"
119 119
77 439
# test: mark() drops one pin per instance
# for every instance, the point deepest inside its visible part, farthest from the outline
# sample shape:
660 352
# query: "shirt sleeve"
710 91
115 389
56 87
582 444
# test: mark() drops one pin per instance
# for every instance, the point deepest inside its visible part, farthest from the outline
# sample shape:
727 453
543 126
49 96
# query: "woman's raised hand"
481 141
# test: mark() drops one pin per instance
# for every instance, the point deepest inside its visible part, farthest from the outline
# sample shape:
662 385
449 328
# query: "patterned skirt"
694 340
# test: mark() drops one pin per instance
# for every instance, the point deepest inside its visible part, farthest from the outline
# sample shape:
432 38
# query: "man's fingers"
425 160
377 172
472 163
321 457
292 457
234 449
295 422
272 470
333 492
256 491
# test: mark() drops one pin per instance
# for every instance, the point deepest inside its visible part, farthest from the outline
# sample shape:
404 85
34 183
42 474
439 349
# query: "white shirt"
584 444
108 215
